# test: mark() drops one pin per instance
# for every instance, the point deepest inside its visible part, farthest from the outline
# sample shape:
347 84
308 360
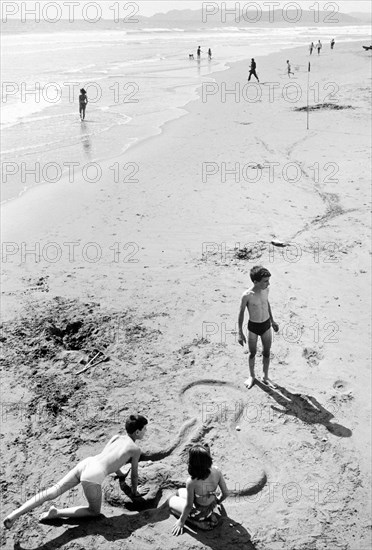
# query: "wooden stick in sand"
91 363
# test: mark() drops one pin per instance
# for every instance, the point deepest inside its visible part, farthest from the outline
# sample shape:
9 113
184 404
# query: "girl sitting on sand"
198 501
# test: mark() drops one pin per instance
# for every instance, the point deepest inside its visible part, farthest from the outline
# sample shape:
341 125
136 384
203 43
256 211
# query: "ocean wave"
18 113
42 146
45 38
66 140
159 29
79 69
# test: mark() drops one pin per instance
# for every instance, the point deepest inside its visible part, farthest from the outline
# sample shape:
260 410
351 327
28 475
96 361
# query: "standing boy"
256 300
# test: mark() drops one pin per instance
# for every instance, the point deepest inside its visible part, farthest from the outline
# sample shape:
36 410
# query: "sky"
150 7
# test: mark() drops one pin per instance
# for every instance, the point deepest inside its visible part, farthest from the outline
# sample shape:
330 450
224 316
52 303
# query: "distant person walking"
333 43
83 100
319 46
209 54
311 47
289 69
198 52
253 70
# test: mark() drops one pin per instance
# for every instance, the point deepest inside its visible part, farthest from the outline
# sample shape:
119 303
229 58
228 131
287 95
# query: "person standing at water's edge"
311 47
253 70
289 68
83 100
256 300
198 52
209 54
319 46
91 472
333 43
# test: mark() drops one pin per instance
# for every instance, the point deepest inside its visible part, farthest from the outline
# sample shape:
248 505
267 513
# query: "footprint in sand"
340 385
312 356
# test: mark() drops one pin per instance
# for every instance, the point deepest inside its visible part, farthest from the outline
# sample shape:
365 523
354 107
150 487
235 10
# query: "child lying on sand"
91 472
198 501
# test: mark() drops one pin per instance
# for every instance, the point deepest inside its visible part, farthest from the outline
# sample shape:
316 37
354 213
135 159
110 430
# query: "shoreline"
182 109
81 194
154 130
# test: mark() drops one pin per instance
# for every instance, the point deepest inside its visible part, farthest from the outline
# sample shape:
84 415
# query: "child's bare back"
118 451
205 489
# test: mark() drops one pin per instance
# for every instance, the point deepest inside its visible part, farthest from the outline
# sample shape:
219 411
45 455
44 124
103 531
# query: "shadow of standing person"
110 529
305 408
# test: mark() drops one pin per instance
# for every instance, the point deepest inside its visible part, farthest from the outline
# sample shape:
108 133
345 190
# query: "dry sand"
299 467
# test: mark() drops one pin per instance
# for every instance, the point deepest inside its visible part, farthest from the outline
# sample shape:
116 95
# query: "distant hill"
190 20
366 18
248 18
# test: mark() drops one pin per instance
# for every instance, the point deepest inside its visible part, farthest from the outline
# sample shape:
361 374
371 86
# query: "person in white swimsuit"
91 472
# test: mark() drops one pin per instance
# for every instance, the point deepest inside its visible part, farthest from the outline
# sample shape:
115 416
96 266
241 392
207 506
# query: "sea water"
136 81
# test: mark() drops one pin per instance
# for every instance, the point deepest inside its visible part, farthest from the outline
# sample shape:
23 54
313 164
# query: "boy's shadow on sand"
228 535
111 529
305 408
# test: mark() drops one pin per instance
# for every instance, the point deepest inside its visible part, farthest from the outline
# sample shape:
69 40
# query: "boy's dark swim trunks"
259 328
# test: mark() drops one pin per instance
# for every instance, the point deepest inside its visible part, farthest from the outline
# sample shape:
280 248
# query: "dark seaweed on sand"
250 253
324 106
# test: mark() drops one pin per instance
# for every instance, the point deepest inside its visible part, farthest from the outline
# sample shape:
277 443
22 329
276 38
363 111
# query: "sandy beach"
151 269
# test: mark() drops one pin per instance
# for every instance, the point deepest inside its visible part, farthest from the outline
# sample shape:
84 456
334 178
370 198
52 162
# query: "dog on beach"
191 56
